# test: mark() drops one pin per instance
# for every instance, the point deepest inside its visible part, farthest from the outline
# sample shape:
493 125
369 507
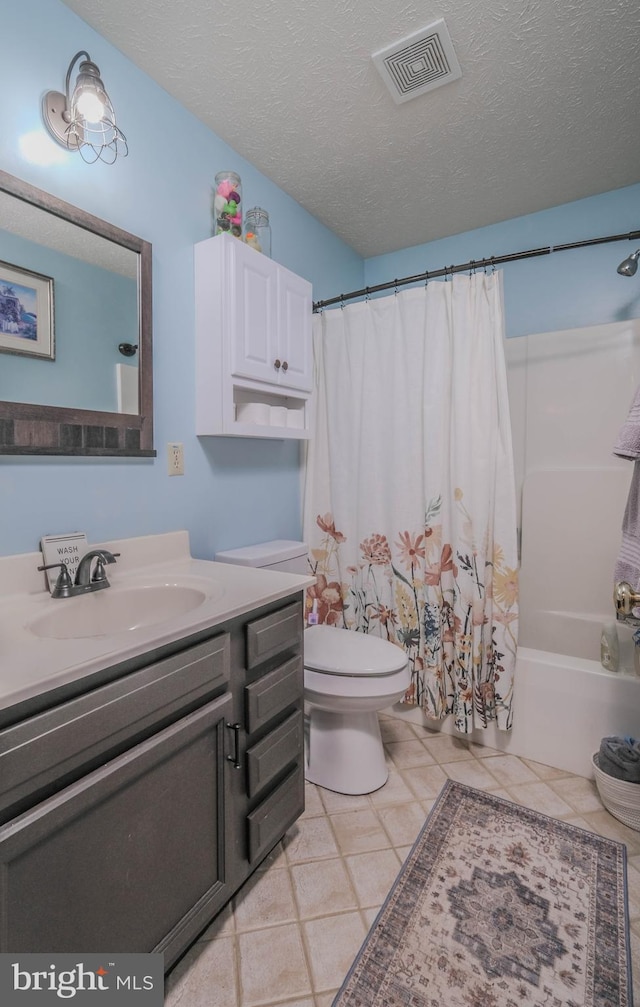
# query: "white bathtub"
565 701
563 706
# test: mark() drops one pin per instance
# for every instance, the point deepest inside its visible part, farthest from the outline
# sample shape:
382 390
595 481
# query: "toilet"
348 678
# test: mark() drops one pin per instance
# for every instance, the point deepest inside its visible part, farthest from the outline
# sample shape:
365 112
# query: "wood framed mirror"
76 374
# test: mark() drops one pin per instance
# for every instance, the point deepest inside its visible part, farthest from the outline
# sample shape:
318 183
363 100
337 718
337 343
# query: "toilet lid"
342 652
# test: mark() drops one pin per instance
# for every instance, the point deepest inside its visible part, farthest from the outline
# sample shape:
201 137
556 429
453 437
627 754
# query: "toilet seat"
329 650
322 689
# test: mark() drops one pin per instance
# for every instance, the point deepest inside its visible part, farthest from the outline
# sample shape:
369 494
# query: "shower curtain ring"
426 278
342 302
395 284
367 295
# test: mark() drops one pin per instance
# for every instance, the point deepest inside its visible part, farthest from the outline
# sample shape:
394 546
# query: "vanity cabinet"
131 813
254 360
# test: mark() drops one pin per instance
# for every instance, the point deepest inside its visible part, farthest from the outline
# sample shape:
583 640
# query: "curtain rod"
493 260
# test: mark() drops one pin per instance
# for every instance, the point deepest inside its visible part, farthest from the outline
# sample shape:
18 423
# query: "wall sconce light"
83 119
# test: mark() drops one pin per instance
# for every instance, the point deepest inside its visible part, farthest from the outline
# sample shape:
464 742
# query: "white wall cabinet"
254 361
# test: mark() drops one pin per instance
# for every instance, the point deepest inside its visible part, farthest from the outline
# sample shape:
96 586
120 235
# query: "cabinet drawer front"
273 693
91 856
273 634
36 753
271 755
267 823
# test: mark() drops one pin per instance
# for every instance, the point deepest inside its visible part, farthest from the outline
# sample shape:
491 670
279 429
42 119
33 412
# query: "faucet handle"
64 585
99 574
625 599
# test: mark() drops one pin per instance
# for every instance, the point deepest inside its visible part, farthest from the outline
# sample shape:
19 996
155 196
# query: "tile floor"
290 935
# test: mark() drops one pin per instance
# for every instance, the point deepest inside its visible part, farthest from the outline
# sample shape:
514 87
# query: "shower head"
629 266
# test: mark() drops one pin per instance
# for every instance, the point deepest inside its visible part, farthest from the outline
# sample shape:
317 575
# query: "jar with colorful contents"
227 197
257 230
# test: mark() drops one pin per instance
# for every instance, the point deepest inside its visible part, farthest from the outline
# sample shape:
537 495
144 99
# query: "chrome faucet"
85 581
98 579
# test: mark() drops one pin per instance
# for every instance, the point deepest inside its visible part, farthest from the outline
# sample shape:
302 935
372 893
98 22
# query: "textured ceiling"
547 109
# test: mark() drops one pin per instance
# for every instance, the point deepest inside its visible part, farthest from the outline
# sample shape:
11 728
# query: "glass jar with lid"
257 230
227 199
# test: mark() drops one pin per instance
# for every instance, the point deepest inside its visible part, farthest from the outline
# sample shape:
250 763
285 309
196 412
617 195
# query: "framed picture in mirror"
26 312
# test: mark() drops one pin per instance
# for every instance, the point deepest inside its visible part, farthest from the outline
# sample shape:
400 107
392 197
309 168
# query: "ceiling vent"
418 63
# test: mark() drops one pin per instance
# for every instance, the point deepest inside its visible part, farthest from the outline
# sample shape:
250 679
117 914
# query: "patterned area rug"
498 906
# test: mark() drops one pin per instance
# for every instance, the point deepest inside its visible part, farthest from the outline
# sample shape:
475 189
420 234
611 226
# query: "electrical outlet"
175 459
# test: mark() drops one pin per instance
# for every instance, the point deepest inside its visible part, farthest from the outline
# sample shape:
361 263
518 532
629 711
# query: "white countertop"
31 665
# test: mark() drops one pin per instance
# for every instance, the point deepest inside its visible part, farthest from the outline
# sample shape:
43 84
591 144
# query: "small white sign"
68 548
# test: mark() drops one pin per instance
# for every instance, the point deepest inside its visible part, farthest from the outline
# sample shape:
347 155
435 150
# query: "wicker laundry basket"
621 799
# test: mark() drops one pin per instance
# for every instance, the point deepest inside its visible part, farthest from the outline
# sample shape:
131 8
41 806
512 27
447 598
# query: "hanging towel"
627 566
628 442
619 759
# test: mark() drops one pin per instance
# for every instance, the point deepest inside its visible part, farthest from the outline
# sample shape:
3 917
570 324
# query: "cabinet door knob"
277 364
285 365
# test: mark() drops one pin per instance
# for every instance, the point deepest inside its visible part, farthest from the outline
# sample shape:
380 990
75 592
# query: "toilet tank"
280 554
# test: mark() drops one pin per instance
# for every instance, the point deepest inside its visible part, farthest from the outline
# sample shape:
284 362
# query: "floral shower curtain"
409 506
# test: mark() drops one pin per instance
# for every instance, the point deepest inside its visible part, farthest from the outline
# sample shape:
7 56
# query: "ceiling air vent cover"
419 62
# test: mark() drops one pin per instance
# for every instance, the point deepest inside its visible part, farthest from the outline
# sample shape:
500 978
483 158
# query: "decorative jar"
257 230
227 199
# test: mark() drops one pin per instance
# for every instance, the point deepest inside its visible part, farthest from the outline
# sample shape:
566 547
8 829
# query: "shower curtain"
409 498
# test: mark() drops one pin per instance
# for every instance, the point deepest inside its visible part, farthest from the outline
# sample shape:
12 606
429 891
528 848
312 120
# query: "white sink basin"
119 610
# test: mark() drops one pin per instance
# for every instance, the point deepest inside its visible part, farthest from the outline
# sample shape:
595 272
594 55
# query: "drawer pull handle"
277 364
285 365
235 758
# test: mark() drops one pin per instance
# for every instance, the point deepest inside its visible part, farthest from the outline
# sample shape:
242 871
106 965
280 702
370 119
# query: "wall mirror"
74 289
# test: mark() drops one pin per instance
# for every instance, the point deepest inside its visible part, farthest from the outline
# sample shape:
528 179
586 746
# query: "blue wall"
233 491
564 290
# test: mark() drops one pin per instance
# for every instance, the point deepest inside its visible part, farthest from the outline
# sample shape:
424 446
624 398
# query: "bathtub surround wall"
570 393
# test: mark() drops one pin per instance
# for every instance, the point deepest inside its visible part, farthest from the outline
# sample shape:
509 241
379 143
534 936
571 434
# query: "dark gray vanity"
136 802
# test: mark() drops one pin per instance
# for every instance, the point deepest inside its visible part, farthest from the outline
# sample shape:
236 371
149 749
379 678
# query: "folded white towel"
628 563
628 442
